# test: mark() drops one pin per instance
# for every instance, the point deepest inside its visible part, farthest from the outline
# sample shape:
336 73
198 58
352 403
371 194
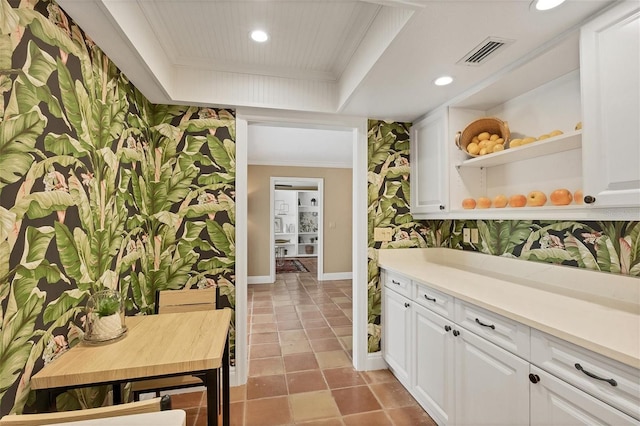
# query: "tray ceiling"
375 59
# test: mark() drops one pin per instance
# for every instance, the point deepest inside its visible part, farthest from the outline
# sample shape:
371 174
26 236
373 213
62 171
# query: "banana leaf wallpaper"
98 189
612 247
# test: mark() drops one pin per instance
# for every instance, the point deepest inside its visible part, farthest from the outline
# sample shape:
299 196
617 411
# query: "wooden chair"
139 407
172 301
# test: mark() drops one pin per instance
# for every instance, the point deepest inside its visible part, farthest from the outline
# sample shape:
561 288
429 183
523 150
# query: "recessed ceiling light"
546 4
259 36
443 81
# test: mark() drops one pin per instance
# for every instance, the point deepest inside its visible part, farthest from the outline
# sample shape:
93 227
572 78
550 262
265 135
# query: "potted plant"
104 316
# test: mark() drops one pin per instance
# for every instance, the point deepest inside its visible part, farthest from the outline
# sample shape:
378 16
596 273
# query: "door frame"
319 183
358 126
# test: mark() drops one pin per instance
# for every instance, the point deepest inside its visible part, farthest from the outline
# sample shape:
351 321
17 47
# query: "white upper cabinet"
589 77
428 163
610 66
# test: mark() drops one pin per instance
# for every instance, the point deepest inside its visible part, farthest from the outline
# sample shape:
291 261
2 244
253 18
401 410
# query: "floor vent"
484 51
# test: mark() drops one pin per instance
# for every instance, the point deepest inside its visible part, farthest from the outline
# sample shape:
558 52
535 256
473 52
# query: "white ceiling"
369 58
374 59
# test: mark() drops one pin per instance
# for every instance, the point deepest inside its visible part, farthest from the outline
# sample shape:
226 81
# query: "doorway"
297 222
357 126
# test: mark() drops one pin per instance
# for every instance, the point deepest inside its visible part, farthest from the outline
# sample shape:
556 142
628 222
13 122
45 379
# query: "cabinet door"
428 164
396 333
492 385
610 72
555 402
433 364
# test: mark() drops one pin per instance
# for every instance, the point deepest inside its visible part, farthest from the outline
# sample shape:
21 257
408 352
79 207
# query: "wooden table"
155 346
159 418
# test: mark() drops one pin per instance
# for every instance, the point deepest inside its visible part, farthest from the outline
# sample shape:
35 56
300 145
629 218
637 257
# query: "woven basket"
487 124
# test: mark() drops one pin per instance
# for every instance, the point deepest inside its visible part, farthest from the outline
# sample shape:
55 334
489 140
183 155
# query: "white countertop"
595 310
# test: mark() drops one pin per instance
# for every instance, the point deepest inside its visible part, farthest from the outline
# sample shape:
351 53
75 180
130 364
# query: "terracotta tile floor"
300 369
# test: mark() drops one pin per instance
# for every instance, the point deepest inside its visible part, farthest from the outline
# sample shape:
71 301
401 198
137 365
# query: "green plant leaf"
38 66
65 145
607 257
379 148
580 253
68 252
36 244
7 221
219 153
200 124
68 299
17 141
46 30
42 204
501 237
9 20
74 104
17 328
550 255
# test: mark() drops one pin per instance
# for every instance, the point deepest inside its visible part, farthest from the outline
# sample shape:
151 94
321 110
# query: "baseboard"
259 279
332 276
375 362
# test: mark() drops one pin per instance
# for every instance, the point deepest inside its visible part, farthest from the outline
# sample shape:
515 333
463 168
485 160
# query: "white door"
610 73
555 402
433 364
492 385
428 164
396 334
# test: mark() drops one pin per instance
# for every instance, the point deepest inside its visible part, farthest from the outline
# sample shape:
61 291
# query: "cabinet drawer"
434 300
398 283
508 334
565 360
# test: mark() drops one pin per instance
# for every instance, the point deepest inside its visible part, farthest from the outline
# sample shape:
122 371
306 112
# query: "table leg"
226 402
213 406
117 394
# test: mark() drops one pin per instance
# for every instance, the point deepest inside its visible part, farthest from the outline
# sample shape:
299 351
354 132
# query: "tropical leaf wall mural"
99 188
612 247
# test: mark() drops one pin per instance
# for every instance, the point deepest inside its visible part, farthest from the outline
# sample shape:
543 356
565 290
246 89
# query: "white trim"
375 361
360 246
240 371
284 163
359 219
259 279
332 276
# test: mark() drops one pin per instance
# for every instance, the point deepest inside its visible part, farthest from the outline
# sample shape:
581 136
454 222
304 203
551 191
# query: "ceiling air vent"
484 51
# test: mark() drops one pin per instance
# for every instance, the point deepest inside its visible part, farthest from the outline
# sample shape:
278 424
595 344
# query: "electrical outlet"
466 235
382 234
474 236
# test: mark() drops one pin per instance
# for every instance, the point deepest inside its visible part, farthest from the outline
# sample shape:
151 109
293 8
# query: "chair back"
147 406
170 301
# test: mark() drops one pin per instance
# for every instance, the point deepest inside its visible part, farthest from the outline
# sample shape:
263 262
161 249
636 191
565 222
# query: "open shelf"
564 142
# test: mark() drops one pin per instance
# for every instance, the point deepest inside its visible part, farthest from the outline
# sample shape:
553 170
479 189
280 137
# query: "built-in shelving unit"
296 223
561 143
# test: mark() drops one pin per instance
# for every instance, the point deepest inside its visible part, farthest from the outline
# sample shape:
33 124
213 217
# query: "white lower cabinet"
397 327
555 402
489 376
491 383
434 364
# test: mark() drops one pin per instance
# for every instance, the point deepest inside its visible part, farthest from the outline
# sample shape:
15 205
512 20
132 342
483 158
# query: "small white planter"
101 328
105 328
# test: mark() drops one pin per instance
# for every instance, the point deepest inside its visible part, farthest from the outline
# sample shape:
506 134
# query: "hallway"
300 368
